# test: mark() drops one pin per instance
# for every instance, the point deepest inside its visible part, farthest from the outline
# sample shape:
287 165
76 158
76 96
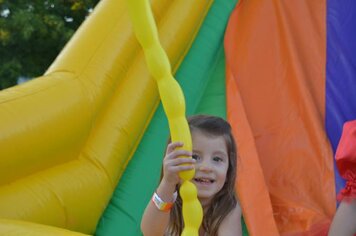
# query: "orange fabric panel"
253 196
275 54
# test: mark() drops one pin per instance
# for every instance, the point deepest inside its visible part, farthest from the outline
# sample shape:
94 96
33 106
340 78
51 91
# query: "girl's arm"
231 225
344 222
154 221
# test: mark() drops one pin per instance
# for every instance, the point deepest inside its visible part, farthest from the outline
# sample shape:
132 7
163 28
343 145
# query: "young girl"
344 222
214 160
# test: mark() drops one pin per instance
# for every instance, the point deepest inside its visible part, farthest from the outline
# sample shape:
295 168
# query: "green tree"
32 33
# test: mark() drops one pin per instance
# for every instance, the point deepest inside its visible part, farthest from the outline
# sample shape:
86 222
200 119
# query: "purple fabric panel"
340 71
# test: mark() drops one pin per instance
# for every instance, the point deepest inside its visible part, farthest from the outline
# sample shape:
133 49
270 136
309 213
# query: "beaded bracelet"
162 205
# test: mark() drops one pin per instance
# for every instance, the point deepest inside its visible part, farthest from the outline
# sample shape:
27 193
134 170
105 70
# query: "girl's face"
212 162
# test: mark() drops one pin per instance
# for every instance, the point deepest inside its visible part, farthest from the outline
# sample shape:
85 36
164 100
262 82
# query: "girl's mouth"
204 180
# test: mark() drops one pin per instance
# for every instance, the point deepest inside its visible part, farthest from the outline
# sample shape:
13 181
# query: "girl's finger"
177 153
172 146
180 161
179 168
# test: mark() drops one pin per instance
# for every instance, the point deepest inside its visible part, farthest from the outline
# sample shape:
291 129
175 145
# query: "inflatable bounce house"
81 147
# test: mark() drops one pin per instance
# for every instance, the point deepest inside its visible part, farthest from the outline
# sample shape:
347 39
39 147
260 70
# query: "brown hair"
225 200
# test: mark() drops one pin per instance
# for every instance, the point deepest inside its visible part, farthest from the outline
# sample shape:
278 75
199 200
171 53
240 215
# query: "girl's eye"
217 159
195 156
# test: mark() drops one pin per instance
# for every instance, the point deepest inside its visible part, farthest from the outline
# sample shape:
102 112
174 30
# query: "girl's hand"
172 163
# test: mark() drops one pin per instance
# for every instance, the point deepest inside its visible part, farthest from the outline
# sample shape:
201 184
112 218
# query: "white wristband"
162 205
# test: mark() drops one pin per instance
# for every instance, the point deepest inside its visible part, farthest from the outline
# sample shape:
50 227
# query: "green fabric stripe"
214 97
201 76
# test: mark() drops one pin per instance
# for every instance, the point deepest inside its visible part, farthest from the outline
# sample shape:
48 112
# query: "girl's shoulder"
231 225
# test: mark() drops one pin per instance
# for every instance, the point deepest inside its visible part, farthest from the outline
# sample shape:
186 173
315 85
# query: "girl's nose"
204 166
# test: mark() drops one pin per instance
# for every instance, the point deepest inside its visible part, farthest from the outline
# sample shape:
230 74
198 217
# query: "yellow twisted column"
173 103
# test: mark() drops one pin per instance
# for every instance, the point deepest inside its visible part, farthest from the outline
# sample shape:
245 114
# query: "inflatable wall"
81 146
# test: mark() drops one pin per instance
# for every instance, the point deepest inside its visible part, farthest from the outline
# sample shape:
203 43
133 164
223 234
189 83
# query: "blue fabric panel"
340 71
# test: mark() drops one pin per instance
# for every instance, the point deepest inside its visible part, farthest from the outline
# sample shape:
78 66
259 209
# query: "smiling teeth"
204 180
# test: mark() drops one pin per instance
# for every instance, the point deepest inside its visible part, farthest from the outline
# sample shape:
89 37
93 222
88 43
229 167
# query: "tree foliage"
32 33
